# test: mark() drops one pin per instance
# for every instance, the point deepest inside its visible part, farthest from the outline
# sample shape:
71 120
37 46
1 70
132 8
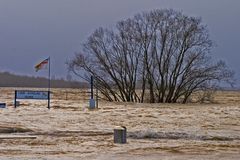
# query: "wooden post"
96 97
120 134
66 95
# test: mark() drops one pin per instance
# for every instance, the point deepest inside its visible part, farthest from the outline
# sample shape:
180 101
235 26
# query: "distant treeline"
11 80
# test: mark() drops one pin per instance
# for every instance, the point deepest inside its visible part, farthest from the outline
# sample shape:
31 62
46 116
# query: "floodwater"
155 131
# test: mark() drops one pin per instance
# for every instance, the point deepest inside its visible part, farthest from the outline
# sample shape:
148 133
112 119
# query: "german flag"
41 65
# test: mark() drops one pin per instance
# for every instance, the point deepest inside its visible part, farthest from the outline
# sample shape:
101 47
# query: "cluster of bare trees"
162 56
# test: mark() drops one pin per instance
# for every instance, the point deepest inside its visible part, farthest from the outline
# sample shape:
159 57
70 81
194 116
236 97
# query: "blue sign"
39 95
32 95
2 105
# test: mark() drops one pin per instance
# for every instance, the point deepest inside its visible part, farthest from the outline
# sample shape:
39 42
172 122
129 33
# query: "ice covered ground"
155 131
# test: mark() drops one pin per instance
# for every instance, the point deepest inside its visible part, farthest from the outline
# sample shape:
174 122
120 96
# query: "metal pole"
92 101
49 82
91 87
15 100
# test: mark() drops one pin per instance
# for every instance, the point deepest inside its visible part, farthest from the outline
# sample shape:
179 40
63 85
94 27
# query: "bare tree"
164 51
113 59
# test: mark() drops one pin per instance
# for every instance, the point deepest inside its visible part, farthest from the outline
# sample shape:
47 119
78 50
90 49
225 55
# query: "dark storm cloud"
33 30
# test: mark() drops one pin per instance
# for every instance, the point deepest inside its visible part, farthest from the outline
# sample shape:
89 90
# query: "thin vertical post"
91 87
96 97
92 101
15 100
49 81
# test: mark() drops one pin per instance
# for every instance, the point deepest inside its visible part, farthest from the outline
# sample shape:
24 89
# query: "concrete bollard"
92 104
120 134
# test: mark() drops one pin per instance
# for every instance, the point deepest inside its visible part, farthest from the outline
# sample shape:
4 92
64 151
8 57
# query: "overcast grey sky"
32 30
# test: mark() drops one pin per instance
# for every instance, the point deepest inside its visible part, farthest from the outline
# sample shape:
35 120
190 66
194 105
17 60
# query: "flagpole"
49 81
